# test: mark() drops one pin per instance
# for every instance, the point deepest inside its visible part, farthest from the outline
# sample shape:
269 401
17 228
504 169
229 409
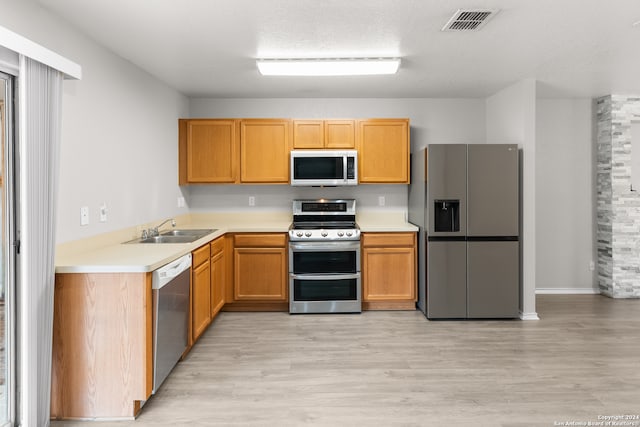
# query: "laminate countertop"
112 252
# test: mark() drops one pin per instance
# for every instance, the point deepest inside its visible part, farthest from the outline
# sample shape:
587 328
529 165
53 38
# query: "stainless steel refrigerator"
465 201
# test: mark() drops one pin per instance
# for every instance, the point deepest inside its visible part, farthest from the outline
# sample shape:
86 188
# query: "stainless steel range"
324 257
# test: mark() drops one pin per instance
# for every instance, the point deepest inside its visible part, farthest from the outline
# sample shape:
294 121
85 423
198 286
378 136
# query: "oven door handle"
325 246
325 276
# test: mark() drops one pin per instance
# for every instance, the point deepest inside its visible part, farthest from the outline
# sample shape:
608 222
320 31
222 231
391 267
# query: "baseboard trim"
529 316
567 291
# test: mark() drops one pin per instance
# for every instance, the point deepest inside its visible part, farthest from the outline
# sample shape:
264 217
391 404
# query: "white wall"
432 121
119 131
564 199
511 118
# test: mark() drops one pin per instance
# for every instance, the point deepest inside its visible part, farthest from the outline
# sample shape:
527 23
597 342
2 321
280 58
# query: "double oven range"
324 257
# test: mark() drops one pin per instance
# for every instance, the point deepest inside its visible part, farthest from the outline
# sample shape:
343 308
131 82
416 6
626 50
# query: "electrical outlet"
381 201
84 215
181 202
252 201
103 212
592 265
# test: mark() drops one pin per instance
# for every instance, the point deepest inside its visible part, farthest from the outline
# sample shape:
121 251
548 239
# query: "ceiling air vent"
469 19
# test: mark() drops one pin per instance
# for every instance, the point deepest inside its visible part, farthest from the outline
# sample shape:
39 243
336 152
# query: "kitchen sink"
176 236
166 239
199 232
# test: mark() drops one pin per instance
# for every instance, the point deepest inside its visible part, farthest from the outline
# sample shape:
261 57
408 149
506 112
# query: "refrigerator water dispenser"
446 215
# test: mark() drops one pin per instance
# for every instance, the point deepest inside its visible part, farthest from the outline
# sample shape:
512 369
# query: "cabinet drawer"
260 240
388 239
200 255
217 246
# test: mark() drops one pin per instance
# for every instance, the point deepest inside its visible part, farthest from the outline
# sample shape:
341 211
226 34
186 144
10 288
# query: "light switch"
103 212
84 215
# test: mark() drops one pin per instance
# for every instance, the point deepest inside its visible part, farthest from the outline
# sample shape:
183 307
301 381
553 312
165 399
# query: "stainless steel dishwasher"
170 286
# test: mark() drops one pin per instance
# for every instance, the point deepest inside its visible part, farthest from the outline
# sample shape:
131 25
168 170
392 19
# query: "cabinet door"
211 151
308 134
260 274
383 150
389 271
217 276
388 274
201 298
340 134
264 151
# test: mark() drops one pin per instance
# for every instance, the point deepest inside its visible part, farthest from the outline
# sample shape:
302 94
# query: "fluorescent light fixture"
328 67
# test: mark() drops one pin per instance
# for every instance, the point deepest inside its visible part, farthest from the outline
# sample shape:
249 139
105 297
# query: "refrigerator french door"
473 261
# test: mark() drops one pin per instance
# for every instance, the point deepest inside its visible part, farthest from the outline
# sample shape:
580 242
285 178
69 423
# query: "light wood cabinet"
256 151
308 134
200 292
264 150
260 267
102 359
208 150
218 275
389 271
383 151
334 134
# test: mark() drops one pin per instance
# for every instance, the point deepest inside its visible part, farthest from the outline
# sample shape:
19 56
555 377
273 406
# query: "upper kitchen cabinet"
208 150
309 134
264 150
383 150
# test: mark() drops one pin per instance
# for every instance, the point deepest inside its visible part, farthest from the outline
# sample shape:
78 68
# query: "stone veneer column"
618 208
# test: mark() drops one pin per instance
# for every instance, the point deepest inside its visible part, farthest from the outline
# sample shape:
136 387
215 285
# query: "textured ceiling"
206 48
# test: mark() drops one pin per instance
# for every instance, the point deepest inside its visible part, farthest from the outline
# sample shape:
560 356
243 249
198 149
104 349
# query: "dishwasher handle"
168 272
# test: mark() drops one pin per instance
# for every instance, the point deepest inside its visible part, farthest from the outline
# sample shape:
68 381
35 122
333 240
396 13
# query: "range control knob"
299 234
324 234
340 234
349 234
308 234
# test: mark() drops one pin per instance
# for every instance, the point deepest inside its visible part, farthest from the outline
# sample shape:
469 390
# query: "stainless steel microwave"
324 167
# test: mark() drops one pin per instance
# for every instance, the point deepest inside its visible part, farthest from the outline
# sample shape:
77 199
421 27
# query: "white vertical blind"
40 99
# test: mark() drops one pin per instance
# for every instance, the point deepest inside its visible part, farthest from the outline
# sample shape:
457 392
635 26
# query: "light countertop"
108 254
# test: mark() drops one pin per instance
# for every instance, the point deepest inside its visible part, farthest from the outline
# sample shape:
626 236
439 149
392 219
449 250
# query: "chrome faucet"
154 230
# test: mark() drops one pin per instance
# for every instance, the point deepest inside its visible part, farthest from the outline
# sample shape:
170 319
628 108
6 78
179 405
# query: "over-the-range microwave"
324 167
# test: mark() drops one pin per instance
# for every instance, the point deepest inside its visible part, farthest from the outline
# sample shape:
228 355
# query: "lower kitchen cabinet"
200 291
208 279
97 316
389 271
218 276
260 272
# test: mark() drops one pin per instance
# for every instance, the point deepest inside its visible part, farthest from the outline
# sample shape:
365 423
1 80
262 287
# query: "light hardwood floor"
580 361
